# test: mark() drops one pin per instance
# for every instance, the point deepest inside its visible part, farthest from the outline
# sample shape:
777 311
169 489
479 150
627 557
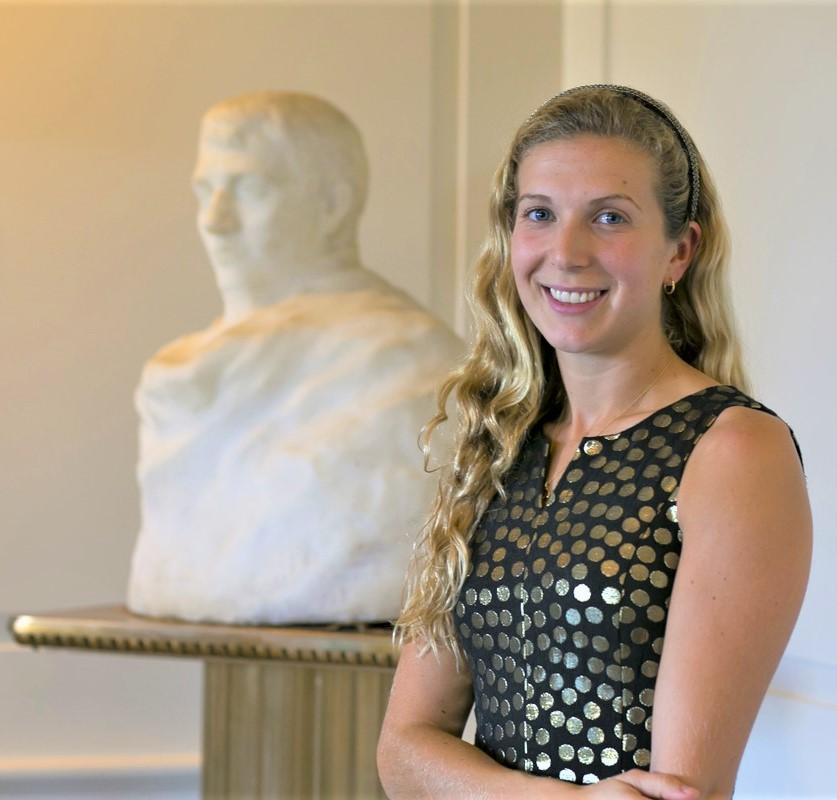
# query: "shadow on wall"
786 756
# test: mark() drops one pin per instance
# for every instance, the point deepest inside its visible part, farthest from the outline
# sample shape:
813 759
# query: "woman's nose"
219 216
570 245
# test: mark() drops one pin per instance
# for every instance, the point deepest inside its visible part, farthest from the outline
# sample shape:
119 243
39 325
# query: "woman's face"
588 250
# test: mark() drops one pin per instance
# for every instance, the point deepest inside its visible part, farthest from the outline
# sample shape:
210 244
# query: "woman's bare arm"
421 754
746 524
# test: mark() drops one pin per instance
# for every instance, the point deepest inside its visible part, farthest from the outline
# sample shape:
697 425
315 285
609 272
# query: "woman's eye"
538 214
611 217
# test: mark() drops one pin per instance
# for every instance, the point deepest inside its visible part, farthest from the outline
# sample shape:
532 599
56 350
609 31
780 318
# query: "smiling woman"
605 545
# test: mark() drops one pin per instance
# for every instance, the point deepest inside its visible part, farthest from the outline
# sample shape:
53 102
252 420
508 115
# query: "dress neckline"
644 421
592 445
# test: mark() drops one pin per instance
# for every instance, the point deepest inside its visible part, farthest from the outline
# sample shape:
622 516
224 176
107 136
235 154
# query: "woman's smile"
573 301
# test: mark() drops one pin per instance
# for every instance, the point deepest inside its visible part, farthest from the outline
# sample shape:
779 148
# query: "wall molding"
463 99
174 776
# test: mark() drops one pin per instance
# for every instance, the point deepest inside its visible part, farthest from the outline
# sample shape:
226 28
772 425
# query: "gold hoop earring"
669 287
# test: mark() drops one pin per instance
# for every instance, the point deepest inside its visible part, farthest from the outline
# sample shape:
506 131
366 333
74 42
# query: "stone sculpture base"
288 712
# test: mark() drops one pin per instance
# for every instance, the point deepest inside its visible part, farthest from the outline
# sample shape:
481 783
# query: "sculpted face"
256 213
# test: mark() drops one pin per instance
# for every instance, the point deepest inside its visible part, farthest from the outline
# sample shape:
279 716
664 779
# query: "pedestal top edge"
114 627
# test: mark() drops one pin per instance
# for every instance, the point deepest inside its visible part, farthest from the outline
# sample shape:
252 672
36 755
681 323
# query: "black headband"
663 111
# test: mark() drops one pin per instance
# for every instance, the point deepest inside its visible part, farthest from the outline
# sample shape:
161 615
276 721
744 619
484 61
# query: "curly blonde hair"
510 379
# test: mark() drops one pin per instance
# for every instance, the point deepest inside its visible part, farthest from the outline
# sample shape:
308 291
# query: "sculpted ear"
340 198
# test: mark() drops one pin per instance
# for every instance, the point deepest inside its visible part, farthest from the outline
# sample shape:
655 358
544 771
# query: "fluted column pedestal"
290 712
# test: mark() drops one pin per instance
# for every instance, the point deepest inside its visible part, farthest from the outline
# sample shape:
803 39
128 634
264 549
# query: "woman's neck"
602 391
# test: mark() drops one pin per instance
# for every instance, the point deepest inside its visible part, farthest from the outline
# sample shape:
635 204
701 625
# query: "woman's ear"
685 249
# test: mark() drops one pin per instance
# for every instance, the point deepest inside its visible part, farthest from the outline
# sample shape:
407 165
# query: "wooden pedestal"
288 712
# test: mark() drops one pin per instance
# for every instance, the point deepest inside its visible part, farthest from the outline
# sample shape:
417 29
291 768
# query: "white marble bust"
279 475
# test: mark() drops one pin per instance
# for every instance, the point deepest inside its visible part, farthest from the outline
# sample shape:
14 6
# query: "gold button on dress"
563 611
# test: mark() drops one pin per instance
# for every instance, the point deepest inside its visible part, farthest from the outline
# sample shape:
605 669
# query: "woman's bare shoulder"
746 436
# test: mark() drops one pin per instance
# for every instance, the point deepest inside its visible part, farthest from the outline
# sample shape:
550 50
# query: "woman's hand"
636 784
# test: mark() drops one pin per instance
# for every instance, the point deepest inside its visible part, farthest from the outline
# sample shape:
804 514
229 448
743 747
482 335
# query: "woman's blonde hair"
511 379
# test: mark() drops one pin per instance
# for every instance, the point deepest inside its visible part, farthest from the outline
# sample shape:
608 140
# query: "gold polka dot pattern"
563 611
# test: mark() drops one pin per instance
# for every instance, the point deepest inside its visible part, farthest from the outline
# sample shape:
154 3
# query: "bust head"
281 181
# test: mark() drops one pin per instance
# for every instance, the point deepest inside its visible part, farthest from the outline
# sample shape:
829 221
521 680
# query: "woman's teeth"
575 297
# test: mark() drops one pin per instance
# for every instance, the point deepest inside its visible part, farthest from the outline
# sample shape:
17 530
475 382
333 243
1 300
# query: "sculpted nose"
218 215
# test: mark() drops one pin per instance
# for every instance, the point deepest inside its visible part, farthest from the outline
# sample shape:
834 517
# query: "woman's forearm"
423 761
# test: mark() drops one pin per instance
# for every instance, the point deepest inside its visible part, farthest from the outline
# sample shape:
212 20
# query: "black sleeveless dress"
563 610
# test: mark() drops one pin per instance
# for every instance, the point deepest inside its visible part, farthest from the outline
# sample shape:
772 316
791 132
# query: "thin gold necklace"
549 491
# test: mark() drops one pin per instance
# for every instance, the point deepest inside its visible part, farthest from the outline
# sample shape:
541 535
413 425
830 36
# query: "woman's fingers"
659 785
